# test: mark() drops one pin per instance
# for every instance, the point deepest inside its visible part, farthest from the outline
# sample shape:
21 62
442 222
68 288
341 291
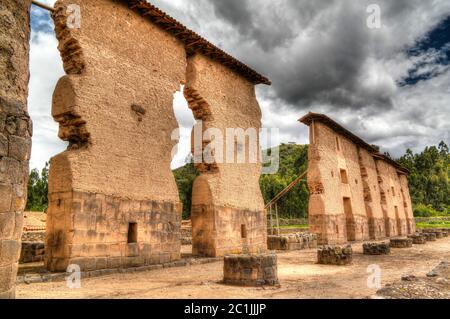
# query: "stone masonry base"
97 232
251 270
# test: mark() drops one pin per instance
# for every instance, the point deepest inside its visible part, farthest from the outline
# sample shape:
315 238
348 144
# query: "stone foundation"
96 232
32 252
33 236
330 229
251 270
430 236
218 231
418 239
376 249
335 255
297 241
401 243
439 235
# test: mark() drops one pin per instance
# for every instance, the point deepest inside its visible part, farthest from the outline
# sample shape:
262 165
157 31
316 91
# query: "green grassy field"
430 224
295 227
434 224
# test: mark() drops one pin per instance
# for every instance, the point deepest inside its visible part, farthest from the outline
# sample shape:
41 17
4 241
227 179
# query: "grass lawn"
295 227
434 224
431 224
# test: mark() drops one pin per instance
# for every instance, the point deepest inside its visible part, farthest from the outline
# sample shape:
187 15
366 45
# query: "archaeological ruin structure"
113 200
356 193
15 135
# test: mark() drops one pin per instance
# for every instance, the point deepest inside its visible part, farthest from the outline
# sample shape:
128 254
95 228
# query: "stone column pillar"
15 135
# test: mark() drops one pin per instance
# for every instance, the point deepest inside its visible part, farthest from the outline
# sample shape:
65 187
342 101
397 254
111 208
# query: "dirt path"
299 276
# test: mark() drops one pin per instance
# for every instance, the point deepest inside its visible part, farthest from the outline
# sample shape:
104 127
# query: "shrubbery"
422 210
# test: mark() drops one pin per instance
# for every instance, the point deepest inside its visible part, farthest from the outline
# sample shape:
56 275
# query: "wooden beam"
42 6
286 190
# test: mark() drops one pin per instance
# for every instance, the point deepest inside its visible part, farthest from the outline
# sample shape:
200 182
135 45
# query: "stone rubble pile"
298 241
335 255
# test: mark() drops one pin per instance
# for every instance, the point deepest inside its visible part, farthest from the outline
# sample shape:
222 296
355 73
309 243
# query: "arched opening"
45 70
182 164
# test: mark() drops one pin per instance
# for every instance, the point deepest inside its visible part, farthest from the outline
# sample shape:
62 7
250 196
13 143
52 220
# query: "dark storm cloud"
322 57
323 66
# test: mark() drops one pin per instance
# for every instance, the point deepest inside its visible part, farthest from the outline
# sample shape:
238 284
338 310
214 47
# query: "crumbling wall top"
193 42
309 118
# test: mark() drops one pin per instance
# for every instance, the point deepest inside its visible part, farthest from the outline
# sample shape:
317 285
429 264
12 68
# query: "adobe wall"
115 108
407 204
370 200
399 221
226 197
372 197
327 190
15 135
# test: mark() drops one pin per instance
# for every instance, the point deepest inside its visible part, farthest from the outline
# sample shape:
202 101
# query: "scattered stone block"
442 270
32 252
335 255
251 270
439 235
376 249
430 236
298 241
401 243
418 239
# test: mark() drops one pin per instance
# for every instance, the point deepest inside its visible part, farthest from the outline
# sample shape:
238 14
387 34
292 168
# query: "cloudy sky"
389 84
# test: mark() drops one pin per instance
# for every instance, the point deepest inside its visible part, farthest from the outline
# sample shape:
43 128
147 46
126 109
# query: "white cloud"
45 70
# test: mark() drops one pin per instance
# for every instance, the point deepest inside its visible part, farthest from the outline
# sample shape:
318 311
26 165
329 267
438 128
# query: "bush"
422 210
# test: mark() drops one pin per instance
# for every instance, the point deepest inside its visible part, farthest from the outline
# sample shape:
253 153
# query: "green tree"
38 190
293 162
428 181
185 177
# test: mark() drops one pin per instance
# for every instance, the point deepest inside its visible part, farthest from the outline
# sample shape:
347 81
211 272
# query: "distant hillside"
293 160
185 177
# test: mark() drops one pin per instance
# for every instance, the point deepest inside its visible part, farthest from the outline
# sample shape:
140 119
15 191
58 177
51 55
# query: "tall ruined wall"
227 206
113 198
15 135
398 220
355 195
407 203
337 210
372 197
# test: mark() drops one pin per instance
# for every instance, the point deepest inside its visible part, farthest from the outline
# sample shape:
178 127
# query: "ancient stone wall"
372 196
355 193
227 205
15 135
113 198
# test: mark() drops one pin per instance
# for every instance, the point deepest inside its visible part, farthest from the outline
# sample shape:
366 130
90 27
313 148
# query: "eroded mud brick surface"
15 135
113 198
227 206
